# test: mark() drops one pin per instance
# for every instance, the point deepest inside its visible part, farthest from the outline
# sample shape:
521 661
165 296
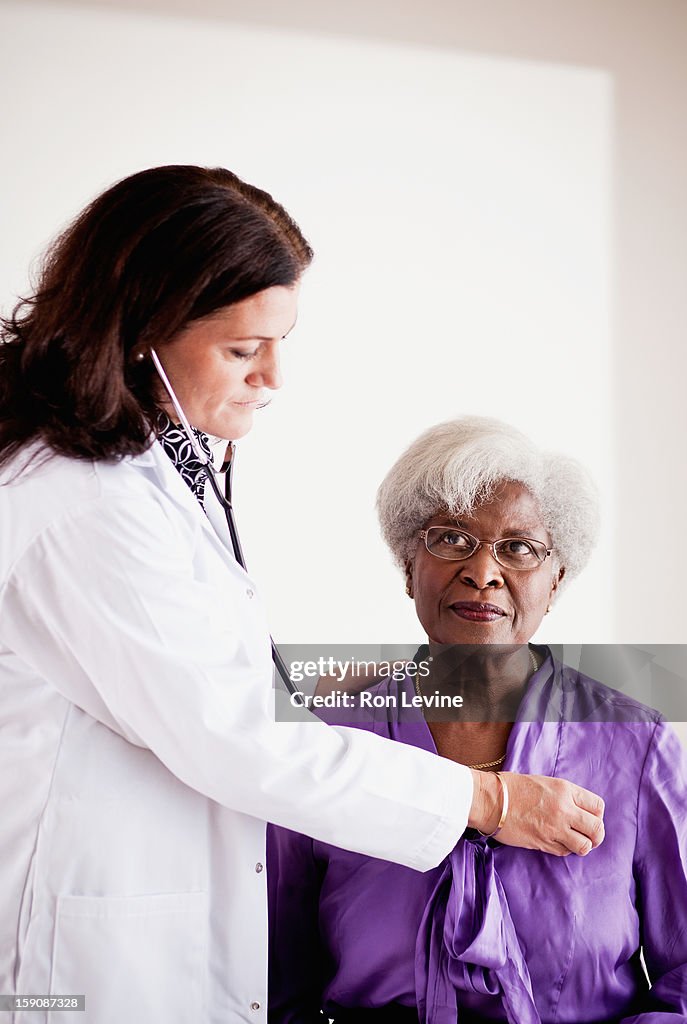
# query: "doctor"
139 757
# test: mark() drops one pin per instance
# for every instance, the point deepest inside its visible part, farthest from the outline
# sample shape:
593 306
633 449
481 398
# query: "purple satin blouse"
494 932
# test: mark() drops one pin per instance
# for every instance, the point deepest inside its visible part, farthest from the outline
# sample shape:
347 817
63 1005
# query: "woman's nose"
266 372
481 570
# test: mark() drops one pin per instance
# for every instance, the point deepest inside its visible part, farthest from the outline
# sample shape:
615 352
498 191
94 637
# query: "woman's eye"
519 547
243 355
455 540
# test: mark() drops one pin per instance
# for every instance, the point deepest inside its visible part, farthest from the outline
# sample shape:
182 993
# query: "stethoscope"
223 499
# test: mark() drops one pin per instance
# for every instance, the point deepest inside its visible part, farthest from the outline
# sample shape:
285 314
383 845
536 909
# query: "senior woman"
488 531
139 756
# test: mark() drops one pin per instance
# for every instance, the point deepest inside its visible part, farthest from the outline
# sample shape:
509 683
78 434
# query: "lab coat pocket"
139 959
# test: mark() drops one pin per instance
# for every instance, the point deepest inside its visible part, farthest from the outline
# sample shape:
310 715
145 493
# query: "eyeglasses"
510 552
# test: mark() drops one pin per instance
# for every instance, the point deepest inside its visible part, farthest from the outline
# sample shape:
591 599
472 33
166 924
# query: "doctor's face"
223 366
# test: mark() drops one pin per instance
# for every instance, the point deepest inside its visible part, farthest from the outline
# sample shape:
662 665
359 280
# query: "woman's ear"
554 586
409 579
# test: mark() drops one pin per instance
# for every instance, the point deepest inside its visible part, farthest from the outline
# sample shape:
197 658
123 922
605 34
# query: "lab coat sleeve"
105 605
661 874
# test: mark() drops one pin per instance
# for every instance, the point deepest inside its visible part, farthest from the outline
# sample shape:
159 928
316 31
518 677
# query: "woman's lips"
476 611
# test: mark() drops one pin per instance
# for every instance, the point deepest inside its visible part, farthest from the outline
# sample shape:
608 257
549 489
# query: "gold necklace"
487 764
499 760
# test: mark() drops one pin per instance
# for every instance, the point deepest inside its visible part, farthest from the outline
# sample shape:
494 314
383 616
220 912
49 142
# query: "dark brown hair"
155 251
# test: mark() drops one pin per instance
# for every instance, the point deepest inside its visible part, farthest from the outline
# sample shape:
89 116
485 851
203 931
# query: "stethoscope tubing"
226 503
225 500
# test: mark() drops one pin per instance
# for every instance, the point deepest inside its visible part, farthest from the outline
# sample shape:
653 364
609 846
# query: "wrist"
485 810
504 808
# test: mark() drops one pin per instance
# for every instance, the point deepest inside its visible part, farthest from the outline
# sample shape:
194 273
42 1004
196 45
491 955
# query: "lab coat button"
258 867
255 1006
250 593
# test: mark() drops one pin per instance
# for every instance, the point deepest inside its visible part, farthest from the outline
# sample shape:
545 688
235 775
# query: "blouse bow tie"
467 942
179 449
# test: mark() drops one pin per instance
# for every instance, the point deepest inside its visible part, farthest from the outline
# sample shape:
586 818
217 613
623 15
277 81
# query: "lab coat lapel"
155 464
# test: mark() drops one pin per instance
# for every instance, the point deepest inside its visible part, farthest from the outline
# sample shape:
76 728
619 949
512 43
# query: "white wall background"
460 209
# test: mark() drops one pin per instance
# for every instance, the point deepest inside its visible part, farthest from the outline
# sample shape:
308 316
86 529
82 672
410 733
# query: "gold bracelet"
504 809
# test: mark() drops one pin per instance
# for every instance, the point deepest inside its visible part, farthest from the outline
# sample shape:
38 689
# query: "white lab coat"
140 759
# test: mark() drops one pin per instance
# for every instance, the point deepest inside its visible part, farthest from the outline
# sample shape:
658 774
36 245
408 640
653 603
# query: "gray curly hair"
456 466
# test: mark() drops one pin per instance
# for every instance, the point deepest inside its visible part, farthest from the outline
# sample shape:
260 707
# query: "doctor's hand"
551 815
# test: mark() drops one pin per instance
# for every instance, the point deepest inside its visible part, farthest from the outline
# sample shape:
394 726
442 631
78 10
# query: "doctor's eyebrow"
262 337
